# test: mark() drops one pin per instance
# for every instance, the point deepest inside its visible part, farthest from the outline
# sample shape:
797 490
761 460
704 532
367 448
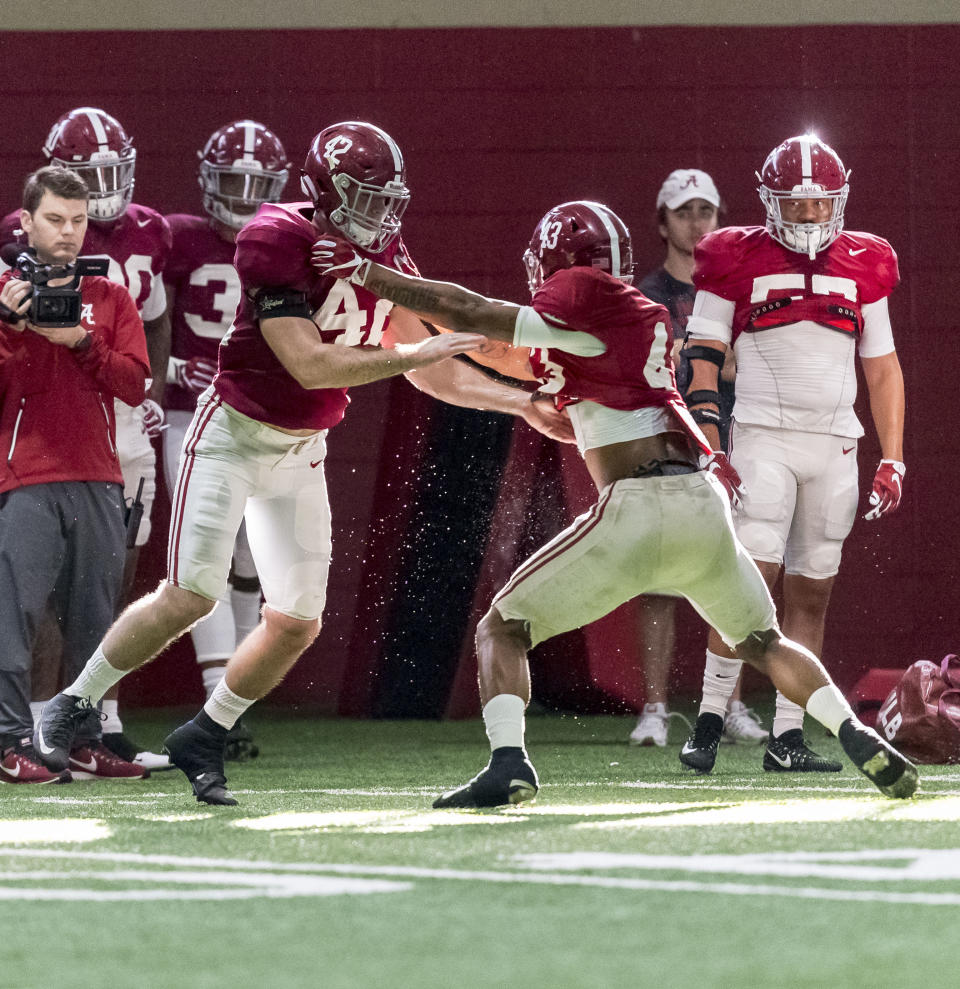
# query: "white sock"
110 722
96 678
503 718
212 675
246 612
35 708
214 637
224 706
720 676
787 716
828 706
655 709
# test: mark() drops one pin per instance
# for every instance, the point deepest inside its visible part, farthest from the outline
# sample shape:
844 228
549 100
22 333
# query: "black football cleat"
509 778
788 753
54 734
699 751
199 754
240 745
890 772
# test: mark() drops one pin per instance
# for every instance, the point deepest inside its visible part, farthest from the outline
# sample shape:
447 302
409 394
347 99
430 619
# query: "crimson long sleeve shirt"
56 404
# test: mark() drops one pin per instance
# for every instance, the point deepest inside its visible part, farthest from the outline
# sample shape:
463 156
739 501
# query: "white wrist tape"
173 370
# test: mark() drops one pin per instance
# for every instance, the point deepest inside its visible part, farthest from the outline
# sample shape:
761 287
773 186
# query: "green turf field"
335 872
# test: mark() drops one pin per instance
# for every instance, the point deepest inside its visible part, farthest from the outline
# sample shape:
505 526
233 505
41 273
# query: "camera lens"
56 310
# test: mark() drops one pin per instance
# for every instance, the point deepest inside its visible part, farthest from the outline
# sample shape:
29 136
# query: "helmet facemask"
369 215
804 238
232 194
534 270
109 176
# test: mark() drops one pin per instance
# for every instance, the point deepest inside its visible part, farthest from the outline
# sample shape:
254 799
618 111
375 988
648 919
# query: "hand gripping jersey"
137 246
635 372
206 296
794 322
273 252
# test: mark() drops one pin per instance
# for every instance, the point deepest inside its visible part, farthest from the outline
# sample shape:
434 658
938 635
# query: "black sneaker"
788 753
240 744
509 778
124 748
200 755
699 751
890 772
54 734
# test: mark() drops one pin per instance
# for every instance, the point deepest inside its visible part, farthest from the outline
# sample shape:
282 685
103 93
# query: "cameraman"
61 495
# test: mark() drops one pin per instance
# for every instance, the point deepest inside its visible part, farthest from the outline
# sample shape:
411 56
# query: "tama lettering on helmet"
579 233
355 176
242 166
92 143
804 168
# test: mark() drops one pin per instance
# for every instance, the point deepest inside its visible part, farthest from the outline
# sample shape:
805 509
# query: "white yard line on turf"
267 877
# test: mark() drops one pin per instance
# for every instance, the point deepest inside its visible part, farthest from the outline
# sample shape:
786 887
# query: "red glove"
717 464
334 256
196 374
887 489
152 418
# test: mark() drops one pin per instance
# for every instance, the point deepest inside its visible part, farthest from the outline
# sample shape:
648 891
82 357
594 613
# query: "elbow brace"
532 330
696 352
704 416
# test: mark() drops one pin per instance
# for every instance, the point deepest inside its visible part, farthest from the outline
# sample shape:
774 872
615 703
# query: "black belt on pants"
665 468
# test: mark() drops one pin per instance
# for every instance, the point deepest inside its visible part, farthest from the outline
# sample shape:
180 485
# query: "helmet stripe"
806 160
394 150
98 129
249 140
604 214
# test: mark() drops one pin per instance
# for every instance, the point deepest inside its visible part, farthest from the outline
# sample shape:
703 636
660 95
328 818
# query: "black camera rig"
53 305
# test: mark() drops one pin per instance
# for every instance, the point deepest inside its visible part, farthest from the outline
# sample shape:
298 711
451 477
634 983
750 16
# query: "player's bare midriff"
617 461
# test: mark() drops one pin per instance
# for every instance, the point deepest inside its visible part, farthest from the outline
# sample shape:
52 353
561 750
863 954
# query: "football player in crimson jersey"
136 242
242 166
254 450
662 520
795 300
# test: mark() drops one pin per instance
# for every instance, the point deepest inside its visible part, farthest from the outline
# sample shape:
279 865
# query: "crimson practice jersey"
635 372
772 286
137 246
206 294
794 322
273 252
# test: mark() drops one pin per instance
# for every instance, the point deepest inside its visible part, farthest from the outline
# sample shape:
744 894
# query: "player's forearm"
887 407
157 332
703 396
343 367
445 303
459 384
884 379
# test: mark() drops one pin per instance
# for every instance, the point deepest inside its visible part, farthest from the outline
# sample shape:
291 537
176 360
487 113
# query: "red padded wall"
500 124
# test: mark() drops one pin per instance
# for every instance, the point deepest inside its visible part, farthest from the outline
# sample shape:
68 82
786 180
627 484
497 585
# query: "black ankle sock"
506 753
204 721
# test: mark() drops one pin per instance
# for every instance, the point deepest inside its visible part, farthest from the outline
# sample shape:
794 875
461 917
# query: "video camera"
49 306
